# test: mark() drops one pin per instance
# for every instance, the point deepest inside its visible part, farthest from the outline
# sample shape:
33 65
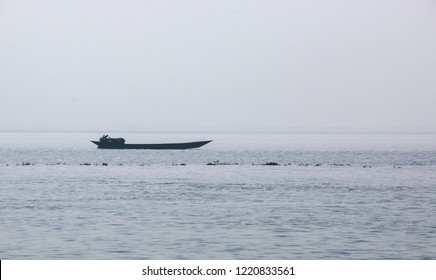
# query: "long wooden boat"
120 143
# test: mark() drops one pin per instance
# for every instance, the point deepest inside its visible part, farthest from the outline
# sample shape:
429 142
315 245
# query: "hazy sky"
181 64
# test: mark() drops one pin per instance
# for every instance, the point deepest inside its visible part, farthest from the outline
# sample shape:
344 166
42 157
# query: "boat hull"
163 146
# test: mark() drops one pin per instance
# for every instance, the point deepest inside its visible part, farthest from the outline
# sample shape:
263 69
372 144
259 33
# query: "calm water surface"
328 197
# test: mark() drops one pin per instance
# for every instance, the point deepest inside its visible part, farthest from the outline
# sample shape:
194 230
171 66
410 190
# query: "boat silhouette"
107 142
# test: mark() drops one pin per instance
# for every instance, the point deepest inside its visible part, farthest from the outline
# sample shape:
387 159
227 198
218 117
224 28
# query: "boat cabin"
107 139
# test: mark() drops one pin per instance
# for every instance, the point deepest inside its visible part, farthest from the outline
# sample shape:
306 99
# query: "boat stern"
96 142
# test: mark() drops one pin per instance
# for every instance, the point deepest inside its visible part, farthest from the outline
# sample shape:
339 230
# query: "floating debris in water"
273 163
211 163
57 163
217 162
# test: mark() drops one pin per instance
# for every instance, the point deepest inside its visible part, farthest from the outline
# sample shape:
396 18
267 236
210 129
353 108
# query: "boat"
107 142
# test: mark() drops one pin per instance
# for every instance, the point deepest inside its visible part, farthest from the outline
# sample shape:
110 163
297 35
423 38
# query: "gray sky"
259 64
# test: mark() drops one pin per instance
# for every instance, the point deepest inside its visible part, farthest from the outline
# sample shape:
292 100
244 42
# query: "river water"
243 196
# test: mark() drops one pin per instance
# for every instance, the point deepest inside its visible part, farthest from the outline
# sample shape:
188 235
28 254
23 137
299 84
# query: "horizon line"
219 130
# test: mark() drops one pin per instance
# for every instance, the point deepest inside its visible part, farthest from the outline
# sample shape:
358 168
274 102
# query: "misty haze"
321 114
296 66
